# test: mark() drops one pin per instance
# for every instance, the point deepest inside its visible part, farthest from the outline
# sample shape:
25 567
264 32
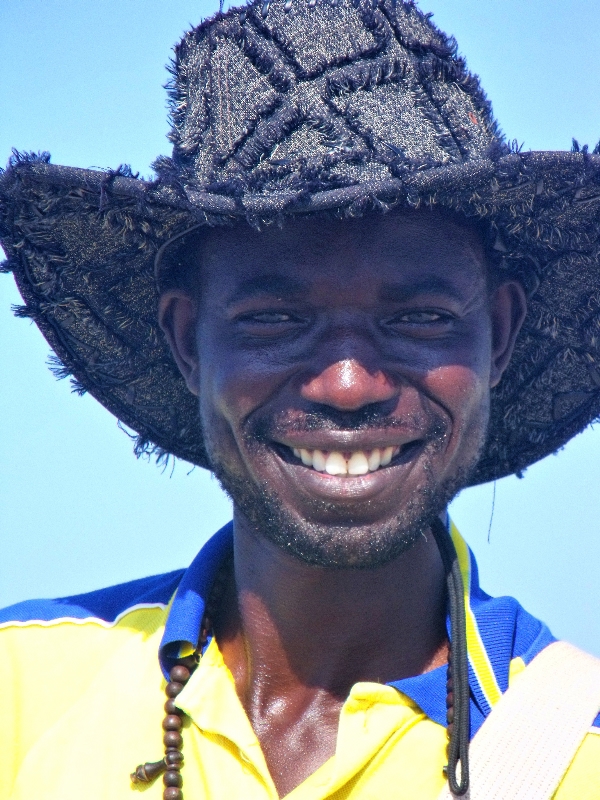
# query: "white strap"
527 743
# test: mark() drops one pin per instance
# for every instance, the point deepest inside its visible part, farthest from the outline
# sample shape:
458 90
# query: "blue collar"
185 617
498 630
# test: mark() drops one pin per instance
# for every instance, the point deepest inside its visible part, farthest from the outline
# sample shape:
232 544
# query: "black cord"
458 749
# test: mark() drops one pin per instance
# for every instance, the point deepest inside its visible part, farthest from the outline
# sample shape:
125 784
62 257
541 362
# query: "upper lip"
352 441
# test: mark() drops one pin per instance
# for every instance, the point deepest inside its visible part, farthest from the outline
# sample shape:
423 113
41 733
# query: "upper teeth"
358 462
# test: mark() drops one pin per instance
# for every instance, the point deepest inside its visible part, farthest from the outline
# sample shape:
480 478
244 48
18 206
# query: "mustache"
434 426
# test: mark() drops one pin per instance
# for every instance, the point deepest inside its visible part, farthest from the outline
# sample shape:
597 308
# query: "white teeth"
336 464
387 456
306 457
375 459
318 461
358 464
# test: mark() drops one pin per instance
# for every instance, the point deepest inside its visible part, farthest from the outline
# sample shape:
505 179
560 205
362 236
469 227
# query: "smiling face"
344 375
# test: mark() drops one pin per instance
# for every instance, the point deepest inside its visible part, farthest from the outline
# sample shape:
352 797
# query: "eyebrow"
401 292
283 286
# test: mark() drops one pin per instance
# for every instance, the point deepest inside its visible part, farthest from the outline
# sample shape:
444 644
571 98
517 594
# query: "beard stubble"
346 545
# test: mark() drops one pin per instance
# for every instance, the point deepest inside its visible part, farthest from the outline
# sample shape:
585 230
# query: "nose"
348 386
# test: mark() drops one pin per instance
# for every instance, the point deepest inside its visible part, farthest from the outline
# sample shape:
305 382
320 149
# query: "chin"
345 543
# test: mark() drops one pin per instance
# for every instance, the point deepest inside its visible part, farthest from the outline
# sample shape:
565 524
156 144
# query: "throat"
297 638
284 626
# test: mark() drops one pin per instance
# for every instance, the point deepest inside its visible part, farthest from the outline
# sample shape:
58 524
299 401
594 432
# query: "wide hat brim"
82 246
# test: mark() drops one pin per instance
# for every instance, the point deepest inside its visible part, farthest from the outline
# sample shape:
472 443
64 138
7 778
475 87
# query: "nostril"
347 385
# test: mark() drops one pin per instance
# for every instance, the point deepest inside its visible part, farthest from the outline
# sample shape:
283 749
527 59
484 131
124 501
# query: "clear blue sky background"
83 79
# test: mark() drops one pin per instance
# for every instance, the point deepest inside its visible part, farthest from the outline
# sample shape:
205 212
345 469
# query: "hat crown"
302 96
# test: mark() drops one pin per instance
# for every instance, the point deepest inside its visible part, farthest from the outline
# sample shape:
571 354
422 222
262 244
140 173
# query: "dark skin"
390 313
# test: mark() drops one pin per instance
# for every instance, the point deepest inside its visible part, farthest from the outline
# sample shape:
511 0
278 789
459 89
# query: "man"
344 372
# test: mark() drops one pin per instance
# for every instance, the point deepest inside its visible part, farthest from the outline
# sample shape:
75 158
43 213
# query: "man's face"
344 377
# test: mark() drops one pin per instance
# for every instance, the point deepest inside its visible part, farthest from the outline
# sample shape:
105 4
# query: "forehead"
366 253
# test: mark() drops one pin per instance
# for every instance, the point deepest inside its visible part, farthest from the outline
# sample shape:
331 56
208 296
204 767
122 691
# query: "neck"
296 626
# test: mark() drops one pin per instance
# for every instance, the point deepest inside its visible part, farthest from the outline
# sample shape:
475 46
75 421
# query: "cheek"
234 383
462 391
239 386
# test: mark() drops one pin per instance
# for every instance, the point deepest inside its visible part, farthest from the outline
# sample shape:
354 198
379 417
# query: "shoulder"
81 635
104 607
67 659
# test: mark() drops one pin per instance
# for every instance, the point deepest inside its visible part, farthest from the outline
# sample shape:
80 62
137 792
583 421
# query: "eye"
269 323
268 317
422 317
420 321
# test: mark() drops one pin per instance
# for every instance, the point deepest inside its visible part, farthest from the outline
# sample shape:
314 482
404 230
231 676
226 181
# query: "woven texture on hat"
279 101
84 268
334 107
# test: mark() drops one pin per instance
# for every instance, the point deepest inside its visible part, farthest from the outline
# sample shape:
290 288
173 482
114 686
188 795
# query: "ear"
508 305
177 316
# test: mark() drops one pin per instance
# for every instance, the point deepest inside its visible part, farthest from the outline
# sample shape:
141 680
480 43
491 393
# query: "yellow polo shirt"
82 701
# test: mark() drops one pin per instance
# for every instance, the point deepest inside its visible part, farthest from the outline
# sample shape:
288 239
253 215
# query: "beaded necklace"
170 765
457 686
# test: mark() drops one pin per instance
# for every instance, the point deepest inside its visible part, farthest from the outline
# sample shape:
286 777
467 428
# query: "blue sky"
84 80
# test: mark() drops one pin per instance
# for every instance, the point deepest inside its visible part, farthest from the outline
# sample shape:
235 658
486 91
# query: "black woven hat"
289 107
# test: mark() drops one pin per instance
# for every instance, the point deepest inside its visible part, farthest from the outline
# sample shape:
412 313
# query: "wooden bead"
170 707
179 674
450 715
450 730
173 759
172 778
172 793
173 688
172 722
449 699
173 739
450 685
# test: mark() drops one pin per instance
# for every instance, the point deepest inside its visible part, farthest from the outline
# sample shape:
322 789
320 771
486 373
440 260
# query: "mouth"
349 463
